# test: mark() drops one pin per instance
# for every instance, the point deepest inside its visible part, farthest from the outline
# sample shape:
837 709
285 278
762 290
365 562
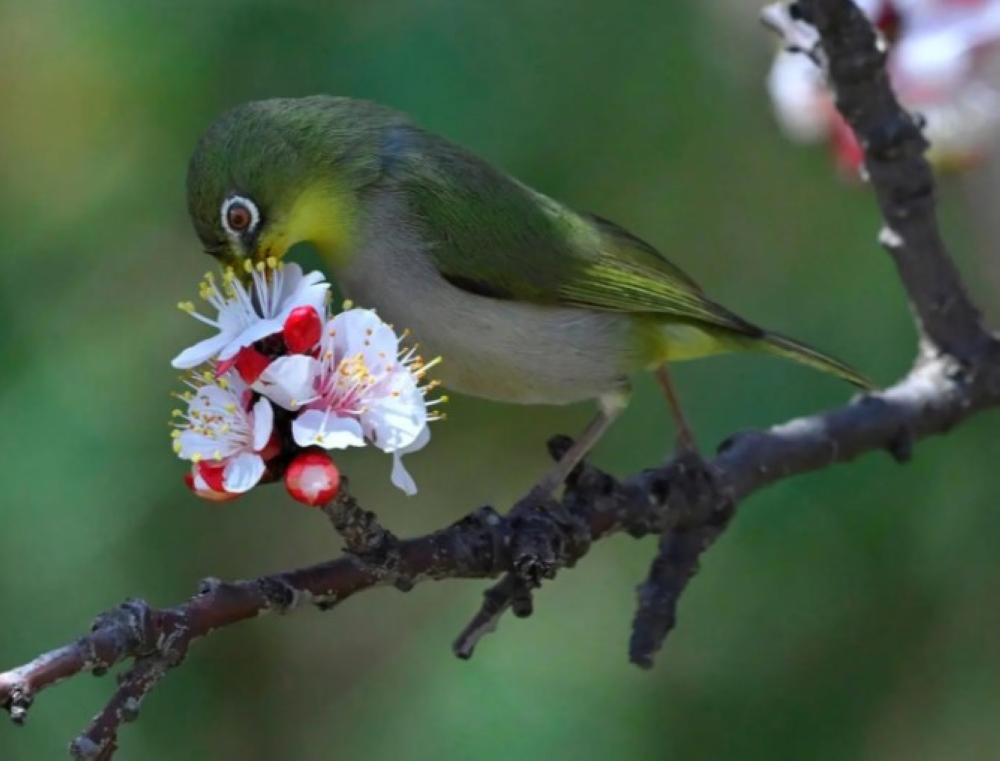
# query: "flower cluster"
282 380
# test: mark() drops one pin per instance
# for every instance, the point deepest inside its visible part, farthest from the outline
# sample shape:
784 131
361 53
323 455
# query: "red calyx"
250 364
273 447
210 486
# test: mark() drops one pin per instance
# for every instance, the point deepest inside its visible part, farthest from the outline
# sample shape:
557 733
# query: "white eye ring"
245 204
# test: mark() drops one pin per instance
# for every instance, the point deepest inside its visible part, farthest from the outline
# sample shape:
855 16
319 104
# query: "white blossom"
247 313
360 388
224 428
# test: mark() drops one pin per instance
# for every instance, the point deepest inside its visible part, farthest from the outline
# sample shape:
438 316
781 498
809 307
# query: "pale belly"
497 349
532 355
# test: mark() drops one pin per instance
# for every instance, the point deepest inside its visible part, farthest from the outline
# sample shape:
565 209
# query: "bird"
526 300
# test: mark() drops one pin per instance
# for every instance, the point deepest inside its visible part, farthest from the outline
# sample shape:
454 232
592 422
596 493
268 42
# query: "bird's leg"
610 406
685 438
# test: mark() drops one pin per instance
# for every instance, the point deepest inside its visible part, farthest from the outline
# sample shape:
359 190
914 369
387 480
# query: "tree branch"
687 502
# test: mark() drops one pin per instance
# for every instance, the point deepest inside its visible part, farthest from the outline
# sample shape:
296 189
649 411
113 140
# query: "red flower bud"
302 330
312 478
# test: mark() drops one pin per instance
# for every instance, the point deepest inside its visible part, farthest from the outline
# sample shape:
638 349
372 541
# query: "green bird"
526 300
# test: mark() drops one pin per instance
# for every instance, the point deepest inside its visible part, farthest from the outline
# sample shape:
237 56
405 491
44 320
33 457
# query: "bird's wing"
628 275
490 235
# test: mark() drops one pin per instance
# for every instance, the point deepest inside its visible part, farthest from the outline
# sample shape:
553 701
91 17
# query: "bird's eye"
239 216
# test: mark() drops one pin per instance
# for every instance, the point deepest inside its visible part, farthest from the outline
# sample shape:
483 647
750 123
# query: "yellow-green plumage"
524 298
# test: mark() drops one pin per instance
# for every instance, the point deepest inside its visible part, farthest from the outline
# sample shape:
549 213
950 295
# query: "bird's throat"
323 217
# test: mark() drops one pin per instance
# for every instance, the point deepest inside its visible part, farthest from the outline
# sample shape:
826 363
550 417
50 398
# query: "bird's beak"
241 262
270 245
230 258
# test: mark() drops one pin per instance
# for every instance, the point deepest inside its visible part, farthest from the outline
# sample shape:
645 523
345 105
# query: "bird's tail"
782 346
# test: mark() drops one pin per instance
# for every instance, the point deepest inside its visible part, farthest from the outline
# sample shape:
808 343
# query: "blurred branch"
688 502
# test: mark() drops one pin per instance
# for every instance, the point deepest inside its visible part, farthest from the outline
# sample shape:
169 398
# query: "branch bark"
688 503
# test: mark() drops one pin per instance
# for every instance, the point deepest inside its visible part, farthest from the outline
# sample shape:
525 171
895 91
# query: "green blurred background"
851 614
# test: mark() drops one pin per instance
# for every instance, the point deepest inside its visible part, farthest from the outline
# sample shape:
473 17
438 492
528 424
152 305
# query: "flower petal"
289 382
298 290
362 331
243 472
195 446
201 352
401 477
323 428
418 443
197 482
251 334
263 423
211 396
396 414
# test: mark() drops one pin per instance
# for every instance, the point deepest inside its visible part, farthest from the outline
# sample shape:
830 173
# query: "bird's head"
269 174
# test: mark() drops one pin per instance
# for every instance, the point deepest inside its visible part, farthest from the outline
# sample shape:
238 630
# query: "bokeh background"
850 614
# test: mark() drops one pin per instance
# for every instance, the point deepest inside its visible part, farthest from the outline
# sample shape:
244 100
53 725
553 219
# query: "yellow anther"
185 306
196 457
348 304
231 408
248 265
217 456
272 262
177 447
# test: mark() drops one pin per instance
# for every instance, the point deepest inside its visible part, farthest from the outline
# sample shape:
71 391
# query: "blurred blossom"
939 51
